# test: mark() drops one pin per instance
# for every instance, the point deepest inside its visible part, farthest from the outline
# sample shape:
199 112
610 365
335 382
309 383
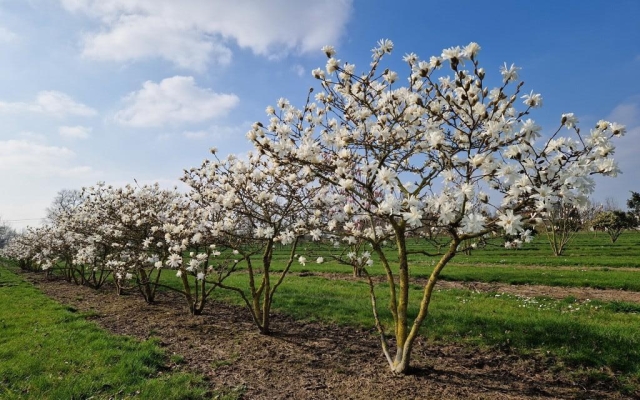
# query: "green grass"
590 261
589 336
600 278
585 250
48 351
586 335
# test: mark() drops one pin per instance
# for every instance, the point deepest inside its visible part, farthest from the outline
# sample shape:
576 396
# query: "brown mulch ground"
554 292
304 360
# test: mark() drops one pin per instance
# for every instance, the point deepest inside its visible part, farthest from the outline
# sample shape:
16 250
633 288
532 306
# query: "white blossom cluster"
111 231
428 154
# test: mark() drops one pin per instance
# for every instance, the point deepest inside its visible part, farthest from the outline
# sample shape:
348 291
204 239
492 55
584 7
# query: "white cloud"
50 102
195 134
31 173
298 69
174 100
193 33
219 132
75 132
27 159
627 113
6 36
137 37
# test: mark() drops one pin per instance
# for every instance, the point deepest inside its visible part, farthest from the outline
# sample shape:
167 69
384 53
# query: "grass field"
590 338
590 261
48 351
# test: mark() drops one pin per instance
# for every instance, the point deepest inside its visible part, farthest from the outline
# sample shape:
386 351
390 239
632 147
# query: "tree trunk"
401 363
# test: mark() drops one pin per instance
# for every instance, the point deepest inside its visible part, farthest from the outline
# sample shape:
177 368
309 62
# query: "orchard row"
367 161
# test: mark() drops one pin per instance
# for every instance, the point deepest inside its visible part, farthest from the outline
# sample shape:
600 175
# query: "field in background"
596 340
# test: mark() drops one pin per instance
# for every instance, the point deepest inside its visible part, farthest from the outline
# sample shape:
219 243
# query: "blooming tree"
614 223
443 152
193 253
249 207
560 223
130 216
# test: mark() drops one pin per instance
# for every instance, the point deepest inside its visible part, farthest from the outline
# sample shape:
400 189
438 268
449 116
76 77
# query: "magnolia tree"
100 251
443 151
52 248
146 230
560 223
193 254
614 223
128 218
29 249
249 207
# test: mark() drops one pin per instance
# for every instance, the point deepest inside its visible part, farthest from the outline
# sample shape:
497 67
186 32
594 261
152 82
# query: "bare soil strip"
318 361
554 292
553 268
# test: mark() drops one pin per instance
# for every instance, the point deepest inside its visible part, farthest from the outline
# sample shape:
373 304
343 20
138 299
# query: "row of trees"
564 221
364 162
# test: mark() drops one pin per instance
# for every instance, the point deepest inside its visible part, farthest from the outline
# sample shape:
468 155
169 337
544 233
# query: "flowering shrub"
444 152
365 163
614 223
249 207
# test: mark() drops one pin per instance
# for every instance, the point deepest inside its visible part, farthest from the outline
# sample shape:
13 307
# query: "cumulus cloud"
173 101
137 37
50 102
75 132
193 33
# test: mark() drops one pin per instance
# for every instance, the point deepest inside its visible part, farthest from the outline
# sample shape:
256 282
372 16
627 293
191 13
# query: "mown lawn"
590 260
48 351
598 339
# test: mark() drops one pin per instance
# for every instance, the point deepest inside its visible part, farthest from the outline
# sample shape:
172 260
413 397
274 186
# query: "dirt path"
318 361
555 292
551 268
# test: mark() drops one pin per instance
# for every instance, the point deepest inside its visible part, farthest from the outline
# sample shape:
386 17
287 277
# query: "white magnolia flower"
174 261
511 223
569 120
472 223
413 217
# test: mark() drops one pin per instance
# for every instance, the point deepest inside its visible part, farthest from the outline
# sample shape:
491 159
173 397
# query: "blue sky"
117 90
